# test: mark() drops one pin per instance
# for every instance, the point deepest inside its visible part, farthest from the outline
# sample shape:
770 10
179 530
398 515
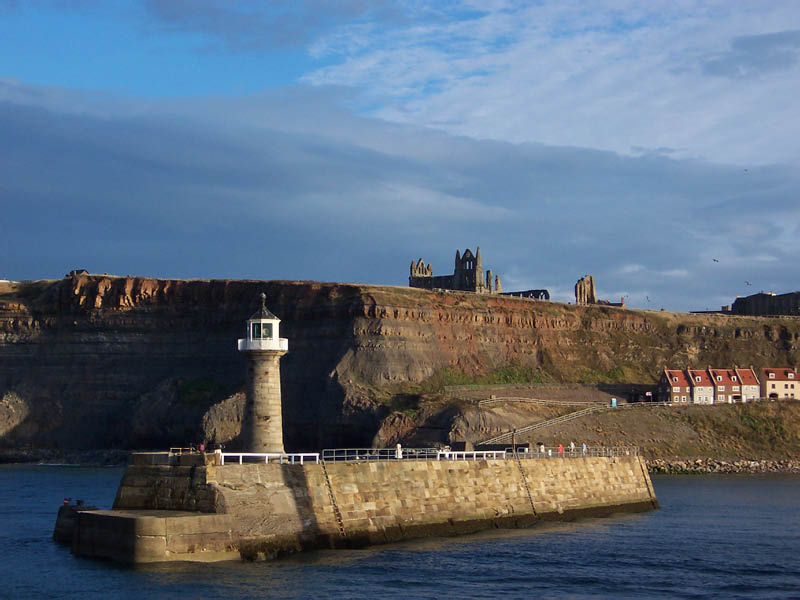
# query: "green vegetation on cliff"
202 392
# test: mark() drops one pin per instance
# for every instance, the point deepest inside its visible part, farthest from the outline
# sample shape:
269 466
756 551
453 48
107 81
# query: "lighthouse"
262 424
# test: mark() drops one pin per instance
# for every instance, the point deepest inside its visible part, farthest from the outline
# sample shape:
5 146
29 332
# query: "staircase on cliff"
503 437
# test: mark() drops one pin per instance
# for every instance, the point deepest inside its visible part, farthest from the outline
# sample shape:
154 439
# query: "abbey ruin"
468 275
586 293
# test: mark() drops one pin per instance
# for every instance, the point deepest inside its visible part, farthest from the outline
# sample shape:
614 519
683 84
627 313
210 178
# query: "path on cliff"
542 424
561 419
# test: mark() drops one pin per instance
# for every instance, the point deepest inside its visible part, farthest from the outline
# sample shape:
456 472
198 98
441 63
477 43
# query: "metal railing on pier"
429 454
360 454
542 452
472 454
579 452
267 457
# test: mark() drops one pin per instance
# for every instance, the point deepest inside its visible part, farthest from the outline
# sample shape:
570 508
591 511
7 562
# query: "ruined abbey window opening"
468 275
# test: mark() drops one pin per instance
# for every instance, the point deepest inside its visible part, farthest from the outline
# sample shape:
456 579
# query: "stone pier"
172 508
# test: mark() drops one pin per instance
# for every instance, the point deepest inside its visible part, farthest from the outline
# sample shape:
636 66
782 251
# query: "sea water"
715 536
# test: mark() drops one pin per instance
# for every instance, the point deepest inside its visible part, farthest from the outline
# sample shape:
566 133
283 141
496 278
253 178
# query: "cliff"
95 361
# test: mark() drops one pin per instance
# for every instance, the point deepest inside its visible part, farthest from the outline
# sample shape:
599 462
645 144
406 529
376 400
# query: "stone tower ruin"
584 291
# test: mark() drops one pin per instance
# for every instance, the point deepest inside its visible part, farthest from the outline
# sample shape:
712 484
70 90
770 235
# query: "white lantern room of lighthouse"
263 331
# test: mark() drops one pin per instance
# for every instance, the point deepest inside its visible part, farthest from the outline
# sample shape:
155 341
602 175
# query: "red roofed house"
751 388
674 387
727 387
702 387
779 383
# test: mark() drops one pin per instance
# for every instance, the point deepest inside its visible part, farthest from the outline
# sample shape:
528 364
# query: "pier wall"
274 509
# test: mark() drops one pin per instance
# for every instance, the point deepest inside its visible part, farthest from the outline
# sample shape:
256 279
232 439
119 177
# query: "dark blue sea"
715 537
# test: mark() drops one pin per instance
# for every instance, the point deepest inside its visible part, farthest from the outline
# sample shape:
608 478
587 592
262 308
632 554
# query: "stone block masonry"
263 427
154 536
272 509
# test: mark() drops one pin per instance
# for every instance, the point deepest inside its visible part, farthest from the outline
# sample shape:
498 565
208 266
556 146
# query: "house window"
688 389
772 386
733 378
791 375
675 379
697 379
721 388
772 375
735 388
683 398
676 389
719 377
721 398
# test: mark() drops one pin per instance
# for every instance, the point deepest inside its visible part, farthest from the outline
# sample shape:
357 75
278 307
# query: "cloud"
753 55
248 188
258 25
624 76
715 81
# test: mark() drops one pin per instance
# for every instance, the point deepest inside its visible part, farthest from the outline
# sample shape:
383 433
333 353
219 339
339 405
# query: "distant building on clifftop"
762 304
767 303
467 277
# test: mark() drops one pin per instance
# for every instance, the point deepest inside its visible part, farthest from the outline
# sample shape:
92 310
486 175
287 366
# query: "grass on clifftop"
502 375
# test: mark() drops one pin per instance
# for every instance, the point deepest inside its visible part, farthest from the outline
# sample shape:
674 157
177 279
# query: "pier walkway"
426 454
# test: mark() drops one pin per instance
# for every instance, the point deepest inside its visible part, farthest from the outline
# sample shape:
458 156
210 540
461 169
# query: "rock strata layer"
96 361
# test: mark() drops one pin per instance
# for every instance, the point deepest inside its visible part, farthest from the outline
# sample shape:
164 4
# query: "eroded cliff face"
97 361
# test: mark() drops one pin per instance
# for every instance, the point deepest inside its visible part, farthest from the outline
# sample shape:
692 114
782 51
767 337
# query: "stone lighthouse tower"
262 426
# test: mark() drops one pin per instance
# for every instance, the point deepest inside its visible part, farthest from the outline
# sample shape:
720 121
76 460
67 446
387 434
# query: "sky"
652 144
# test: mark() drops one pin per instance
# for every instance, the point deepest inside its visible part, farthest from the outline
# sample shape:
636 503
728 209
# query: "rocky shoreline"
702 466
